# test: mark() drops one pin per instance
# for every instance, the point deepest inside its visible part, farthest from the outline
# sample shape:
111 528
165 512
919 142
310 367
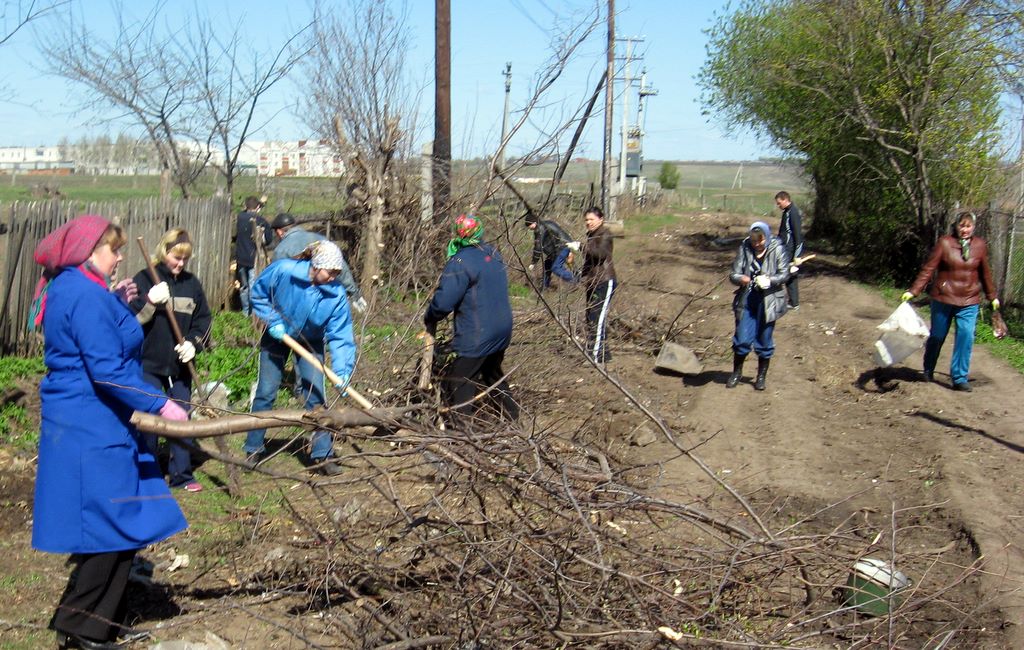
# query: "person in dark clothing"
598 276
164 360
250 228
759 271
548 239
474 286
792 238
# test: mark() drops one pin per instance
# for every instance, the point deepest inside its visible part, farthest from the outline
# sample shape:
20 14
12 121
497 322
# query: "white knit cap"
327 256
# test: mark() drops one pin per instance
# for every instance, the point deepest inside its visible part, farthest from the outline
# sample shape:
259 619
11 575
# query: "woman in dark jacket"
598 277
99 493
958 270
164 360
760 271
474 286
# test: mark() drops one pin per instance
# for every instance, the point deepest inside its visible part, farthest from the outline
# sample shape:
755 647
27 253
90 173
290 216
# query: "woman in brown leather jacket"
961 271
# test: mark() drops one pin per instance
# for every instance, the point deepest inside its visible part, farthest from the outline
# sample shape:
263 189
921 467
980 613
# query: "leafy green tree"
668 177
892 104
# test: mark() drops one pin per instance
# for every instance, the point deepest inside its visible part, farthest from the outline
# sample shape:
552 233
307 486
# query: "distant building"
297 158
270 158
22 160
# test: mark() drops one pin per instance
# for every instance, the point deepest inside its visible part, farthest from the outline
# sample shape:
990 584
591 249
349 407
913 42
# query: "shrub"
668 177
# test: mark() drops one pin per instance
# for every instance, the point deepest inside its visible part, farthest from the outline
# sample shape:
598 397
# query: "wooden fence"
24 224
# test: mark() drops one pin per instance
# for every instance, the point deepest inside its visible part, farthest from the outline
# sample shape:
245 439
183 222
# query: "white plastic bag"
903 333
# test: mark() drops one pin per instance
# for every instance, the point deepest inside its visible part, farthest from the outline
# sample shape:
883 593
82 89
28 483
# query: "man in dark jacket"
792 239
474 286
548 240
250 228
294 239
598 276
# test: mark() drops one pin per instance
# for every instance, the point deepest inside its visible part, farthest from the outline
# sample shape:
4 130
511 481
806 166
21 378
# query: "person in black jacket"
164 360
548 240
474 286
250 228
598 276
792 239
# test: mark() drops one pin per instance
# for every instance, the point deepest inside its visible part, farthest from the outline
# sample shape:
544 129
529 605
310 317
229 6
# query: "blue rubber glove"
277 331
343 384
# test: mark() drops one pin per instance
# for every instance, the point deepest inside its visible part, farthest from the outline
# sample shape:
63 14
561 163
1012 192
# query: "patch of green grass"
30 640
235 366
12 583
519 291
646 224
12 368
1011 348
16 429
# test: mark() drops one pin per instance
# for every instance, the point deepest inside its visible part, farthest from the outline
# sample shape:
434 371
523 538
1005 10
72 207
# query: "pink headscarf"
69 245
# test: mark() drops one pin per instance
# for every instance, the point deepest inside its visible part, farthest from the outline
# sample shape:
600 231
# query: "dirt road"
833 429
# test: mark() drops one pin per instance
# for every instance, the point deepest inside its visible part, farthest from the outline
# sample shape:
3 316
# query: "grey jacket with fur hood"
775 264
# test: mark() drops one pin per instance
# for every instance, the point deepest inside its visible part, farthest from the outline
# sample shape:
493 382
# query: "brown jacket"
956 282
597 258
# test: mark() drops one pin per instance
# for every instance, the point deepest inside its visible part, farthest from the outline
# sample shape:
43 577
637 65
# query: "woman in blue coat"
100 495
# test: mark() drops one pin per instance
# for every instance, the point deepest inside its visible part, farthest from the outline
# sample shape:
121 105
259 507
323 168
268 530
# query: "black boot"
737 370
762 373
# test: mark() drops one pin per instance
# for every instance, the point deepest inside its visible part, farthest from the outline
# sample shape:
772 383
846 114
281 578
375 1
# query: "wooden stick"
426 361
797 261
169 308
237 423
335 379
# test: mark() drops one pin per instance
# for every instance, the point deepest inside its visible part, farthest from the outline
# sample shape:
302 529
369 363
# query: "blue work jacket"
98 489
284 293
474 285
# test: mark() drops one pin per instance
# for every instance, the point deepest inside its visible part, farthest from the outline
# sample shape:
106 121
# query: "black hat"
282 220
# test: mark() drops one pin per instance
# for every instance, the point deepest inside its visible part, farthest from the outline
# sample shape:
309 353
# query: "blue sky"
485 34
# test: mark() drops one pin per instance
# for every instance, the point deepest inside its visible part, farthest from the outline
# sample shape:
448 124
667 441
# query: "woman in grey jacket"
760 271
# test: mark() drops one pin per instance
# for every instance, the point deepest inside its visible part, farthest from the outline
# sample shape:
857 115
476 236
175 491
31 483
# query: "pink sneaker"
192 486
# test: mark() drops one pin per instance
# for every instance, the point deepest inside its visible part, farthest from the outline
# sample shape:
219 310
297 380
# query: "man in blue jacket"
304 300
474 286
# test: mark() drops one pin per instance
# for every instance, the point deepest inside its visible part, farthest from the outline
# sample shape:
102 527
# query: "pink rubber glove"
172 411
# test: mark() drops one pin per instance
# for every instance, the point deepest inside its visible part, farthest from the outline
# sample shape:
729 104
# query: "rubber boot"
737 370
762 373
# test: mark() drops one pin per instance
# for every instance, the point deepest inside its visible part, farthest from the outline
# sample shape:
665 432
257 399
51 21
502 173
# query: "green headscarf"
469 231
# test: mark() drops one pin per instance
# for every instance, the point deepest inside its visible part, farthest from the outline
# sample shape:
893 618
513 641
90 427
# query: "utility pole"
504 117
442 151
607 203
626 84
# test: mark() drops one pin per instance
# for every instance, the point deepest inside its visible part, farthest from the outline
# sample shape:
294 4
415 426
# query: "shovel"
335 379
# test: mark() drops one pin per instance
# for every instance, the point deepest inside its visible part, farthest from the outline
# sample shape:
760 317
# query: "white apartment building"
25 159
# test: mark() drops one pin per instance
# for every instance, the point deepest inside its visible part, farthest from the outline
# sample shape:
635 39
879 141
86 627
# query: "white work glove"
906 296
186 351
359 305
574 246
159 294
995 305
763 282
793 270
529 268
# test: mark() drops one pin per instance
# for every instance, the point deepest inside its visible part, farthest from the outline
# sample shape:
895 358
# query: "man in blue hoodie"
474 286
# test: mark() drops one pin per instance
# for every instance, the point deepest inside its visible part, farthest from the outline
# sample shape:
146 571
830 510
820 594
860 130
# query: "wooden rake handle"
298 349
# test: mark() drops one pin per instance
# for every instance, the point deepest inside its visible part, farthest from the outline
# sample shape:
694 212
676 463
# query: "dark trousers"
93 605
467 376
548 263
179 455
793 289
599 299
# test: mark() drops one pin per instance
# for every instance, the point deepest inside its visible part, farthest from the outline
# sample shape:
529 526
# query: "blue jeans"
560 267
179 456
273 355
751 330
943 316
244 276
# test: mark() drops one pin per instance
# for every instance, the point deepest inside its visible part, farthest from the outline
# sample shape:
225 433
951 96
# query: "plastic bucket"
872 586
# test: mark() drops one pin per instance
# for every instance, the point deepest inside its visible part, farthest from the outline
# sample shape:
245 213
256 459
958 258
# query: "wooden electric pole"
607 201
442 152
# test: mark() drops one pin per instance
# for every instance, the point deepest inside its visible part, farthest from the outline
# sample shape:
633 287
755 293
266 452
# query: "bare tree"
356 95
229 86
15 14
142 74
